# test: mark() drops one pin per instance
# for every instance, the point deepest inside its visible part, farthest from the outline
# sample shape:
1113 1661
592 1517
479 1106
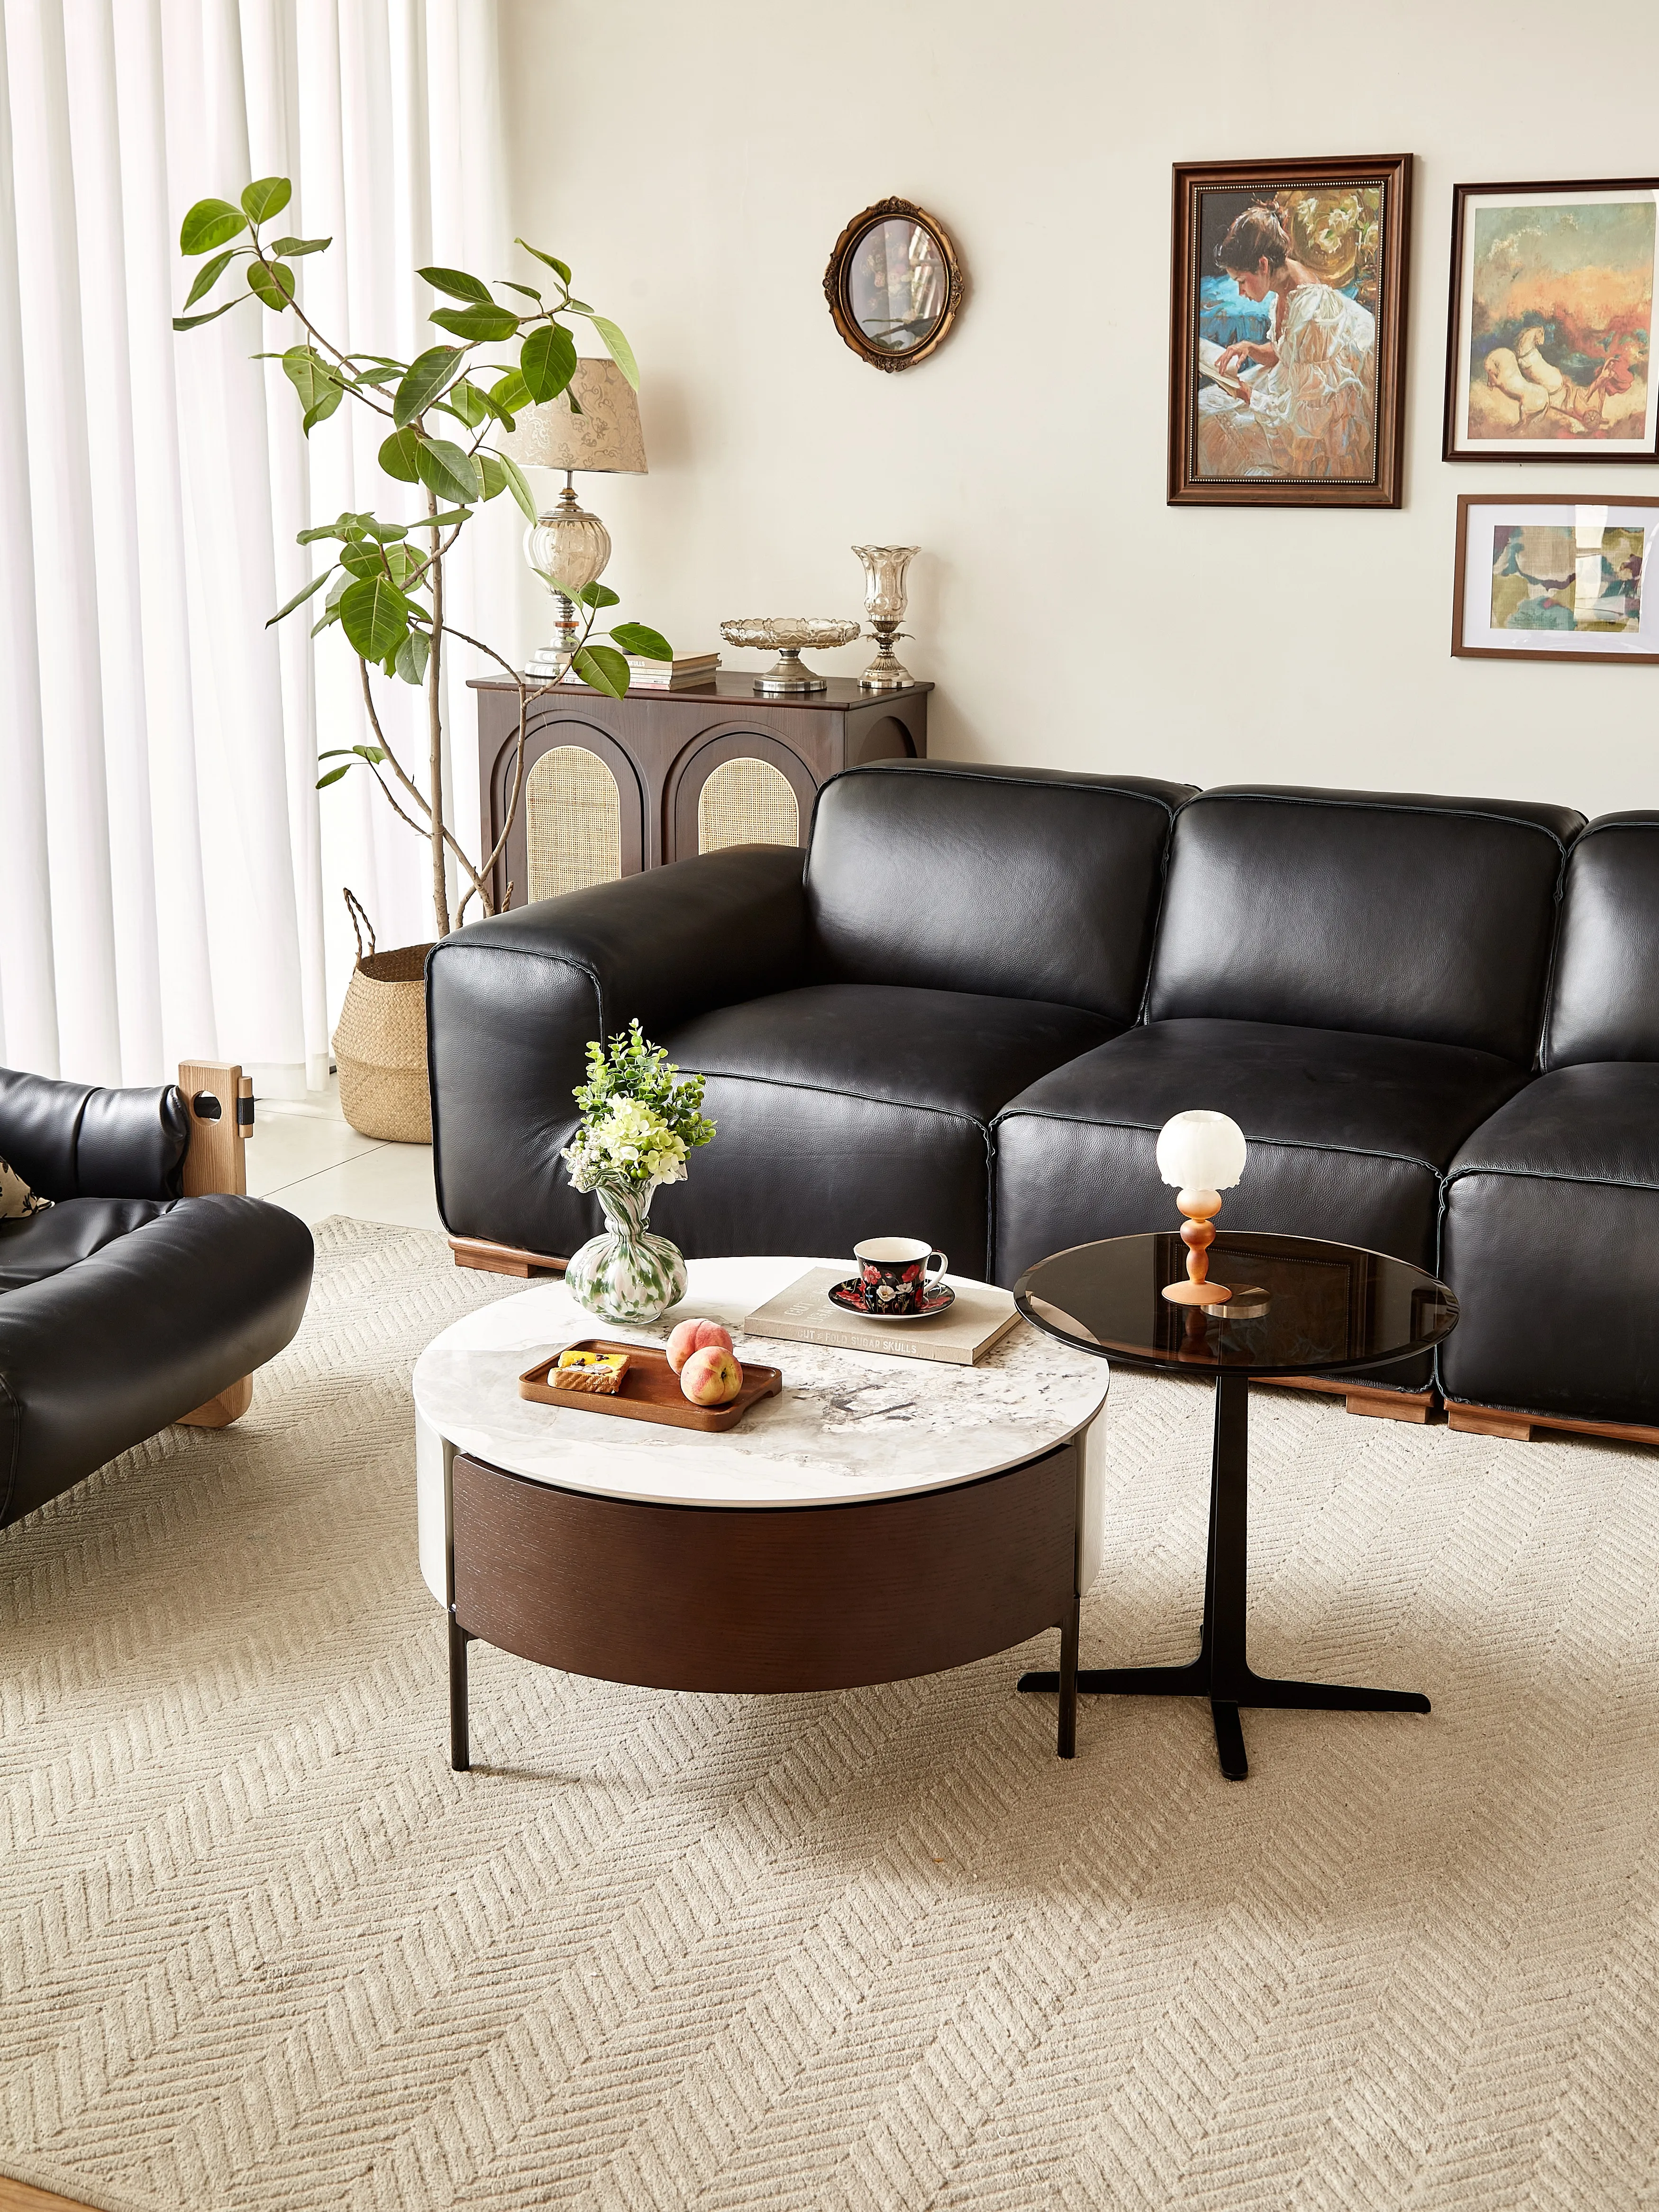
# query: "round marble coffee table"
882 1517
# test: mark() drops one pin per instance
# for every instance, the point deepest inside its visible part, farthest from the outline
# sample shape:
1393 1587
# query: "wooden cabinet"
613 785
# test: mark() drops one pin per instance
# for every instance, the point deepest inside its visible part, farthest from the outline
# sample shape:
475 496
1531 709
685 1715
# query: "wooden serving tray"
650 1390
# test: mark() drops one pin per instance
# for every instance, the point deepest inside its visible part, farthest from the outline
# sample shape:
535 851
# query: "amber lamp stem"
1198 1234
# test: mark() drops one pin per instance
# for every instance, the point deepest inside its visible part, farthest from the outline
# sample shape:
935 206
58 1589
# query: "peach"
689 1336
711 1376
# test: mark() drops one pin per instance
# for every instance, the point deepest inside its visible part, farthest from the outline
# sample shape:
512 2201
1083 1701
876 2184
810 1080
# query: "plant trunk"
435 739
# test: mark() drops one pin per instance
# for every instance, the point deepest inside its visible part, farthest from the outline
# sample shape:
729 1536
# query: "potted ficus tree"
385 576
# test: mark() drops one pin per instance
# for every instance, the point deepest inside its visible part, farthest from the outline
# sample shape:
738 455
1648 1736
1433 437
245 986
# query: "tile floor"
305 1155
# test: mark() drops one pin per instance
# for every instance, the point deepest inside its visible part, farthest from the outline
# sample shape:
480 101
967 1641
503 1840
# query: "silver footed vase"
625 1274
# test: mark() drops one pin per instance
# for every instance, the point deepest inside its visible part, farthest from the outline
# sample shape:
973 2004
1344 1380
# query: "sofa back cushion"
1604 996
1379 911
1013 883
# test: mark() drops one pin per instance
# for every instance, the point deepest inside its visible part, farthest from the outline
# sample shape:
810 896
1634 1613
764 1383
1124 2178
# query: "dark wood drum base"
763 1598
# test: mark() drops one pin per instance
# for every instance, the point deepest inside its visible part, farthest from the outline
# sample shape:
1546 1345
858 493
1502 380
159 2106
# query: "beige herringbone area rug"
259 1949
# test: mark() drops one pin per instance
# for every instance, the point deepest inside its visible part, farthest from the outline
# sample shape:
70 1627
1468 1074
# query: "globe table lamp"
566 546
1201 1154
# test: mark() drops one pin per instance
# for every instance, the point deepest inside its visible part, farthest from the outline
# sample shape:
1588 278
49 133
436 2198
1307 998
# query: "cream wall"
696 164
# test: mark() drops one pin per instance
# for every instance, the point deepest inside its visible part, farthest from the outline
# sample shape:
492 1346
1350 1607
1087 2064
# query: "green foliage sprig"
384 585
641 1116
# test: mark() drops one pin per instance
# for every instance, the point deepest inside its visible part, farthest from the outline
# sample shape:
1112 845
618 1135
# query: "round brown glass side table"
1304 1306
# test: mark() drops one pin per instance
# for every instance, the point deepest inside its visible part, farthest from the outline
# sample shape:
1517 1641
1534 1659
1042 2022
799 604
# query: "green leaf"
327 404
300 598
458 284
478 326
517 486
366 558
388 533
547 361
557 267
466 401
375 615
635 637
209 224
529 290
334 773
449 471
318 530
309 374
511 392
602 669
207 277
194 322
491 468
375 376
372 754
268 197
425 378
290 248
400 456
274 284
595 595
412 656
618 347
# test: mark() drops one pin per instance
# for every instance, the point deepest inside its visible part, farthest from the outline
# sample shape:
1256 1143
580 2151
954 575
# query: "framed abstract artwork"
1287 332
1556 577
1551 325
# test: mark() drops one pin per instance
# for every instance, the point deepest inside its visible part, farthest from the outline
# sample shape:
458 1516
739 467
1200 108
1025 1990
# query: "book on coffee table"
803 1312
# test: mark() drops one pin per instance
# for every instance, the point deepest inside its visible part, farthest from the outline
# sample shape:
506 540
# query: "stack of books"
683 673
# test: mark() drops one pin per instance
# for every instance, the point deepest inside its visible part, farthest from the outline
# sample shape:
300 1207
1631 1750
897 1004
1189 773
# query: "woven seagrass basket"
380 1046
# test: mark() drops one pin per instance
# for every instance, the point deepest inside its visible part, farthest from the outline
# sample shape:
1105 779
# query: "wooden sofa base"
219 1413
503 1259
1518 1428
1379 1404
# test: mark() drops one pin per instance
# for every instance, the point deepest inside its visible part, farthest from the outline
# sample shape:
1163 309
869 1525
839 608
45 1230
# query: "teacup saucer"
849 1296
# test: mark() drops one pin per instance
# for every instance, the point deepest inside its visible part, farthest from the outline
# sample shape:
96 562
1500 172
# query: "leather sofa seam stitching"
825 1091
1377 806
1284 1144
1550 1175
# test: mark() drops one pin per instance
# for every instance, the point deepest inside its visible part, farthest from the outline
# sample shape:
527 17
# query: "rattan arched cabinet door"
740 789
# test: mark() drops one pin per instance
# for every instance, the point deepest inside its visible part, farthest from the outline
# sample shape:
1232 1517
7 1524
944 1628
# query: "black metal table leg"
1066 1744
460 1748
1221 1671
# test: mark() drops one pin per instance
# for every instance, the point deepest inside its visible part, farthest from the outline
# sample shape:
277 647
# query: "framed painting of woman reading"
1288 326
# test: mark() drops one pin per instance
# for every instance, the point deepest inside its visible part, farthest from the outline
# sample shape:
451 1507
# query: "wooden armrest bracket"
220 1101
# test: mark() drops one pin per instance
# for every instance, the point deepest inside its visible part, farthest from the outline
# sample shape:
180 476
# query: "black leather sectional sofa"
968 1016
123 1305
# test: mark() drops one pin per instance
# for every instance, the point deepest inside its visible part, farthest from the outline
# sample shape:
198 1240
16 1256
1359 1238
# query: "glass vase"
626 1273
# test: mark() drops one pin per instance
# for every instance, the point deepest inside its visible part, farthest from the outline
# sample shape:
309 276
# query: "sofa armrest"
75 1141
514 1002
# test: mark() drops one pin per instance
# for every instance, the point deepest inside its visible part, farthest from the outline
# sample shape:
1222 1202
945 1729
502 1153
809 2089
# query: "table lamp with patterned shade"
1201 1154
567 545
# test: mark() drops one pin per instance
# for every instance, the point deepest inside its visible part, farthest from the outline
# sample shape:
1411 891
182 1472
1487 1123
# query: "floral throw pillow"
18 1200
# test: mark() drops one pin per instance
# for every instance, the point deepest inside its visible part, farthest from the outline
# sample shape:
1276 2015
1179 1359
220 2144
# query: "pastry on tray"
600 1373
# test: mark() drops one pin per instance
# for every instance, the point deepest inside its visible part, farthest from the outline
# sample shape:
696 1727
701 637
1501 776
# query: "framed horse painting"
1551 322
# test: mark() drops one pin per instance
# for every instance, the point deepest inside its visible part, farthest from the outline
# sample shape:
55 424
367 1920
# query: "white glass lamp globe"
1201 1150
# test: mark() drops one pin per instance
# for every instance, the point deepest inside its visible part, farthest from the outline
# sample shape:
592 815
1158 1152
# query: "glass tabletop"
1300 1306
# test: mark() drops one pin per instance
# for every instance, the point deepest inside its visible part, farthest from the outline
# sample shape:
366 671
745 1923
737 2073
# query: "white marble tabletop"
847 1424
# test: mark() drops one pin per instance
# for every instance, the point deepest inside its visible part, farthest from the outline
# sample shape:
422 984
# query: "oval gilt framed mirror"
894 284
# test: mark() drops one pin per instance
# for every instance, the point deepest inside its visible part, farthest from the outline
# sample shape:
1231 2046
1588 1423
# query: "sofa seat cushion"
1552 1243
852 1110
44 1243
1349 1135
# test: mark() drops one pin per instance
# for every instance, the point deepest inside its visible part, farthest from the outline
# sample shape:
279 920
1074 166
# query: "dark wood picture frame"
1468 501
1574 450
837 285
1392 173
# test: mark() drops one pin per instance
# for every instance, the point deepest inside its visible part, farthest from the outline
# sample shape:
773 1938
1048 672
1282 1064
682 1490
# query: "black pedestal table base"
1221 1672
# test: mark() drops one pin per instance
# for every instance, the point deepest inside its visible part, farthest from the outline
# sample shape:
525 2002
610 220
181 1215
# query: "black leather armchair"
955 933
1552 1226
124 1305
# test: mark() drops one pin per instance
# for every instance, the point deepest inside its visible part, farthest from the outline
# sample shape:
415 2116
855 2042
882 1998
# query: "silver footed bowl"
789 633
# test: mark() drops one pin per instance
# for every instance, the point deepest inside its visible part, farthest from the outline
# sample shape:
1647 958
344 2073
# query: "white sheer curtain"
169 876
